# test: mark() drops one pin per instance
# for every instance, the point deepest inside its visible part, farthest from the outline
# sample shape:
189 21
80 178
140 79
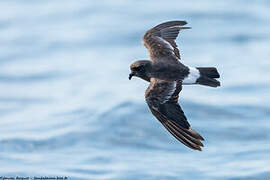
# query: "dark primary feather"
161 38
168 24
167 110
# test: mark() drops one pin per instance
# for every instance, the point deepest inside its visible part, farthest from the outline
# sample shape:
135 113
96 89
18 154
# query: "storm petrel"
166 75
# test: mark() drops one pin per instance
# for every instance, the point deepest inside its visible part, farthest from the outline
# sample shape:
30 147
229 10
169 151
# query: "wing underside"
162 99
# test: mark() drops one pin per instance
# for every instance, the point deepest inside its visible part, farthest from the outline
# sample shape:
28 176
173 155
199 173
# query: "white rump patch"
192 77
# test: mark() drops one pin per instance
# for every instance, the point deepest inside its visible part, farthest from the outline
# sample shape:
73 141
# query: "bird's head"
141 68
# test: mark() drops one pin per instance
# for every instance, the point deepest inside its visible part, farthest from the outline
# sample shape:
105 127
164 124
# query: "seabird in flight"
166 75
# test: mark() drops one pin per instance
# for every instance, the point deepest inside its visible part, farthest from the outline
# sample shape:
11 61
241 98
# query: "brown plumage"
168 31
166 75
162 99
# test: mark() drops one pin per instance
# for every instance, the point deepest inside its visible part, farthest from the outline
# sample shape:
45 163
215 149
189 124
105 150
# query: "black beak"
130 76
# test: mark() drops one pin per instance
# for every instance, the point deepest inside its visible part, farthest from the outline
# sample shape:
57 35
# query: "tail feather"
210 72
207 76
202 75
203 80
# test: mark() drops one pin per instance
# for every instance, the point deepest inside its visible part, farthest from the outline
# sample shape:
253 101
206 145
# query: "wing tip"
182 22
169 24
188 137
185 27
185 135
197 135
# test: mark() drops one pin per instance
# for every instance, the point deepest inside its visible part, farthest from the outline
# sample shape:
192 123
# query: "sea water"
68 109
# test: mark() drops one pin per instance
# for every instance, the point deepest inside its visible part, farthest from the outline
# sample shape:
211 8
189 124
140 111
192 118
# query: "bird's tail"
203 75
208 76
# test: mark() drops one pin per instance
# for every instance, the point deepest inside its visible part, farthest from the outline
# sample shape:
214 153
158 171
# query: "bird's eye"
138 68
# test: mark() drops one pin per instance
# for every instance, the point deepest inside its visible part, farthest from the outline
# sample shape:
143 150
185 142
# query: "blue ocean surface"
68 109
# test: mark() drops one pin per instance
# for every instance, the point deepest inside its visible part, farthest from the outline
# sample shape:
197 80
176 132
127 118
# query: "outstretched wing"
160 40
162 99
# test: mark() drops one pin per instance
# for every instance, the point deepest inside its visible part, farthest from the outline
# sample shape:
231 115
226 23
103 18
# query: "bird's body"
166 75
